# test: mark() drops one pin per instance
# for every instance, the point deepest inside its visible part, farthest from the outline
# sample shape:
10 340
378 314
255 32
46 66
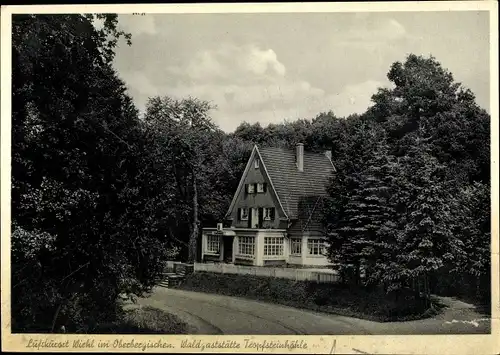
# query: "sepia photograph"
252 173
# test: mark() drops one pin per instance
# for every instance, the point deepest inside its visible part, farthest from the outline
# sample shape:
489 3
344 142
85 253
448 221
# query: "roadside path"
217 314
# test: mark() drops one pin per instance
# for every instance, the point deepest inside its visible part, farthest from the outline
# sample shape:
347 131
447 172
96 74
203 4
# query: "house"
275 216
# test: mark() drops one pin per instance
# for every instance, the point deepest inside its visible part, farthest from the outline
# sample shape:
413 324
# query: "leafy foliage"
81 231
423 230
101 198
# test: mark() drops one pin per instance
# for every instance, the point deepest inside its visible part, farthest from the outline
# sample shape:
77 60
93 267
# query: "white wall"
313 260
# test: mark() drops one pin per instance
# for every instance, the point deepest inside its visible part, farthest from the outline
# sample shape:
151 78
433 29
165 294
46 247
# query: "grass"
359 302
144 320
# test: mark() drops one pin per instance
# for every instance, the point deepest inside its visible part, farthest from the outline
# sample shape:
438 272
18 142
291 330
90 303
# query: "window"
251 188
315 246
273 246
296 246
256 163
213 243
260 187
244 214
268 213
246 246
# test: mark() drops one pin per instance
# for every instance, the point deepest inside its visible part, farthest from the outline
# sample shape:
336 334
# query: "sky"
271 67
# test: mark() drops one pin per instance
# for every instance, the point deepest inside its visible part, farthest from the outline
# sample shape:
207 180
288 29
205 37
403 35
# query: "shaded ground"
144 320
216 314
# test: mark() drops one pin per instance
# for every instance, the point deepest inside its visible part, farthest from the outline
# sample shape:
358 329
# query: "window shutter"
255 187
272 213
246 188
264 187
239 214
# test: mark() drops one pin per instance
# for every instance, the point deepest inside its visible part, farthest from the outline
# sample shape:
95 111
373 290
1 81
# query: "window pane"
273 246
246 245
296 246
213 243
315 246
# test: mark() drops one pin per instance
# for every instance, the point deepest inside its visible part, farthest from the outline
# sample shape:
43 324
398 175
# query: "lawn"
360 302
144 320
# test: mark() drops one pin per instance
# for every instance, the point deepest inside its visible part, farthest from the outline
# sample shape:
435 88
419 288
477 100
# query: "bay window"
273 246
246 246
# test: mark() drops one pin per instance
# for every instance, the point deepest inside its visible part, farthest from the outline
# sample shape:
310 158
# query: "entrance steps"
173 277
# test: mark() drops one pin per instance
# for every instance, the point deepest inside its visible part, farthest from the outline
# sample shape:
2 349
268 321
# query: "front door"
228 249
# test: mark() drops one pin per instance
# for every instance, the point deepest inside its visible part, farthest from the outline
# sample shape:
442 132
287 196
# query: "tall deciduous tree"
428 103
188 137
79 232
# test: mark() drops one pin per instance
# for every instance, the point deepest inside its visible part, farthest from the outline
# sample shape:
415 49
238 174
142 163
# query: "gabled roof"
294 187
255 152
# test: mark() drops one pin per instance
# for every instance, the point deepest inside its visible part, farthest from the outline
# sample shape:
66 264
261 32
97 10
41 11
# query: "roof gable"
255 153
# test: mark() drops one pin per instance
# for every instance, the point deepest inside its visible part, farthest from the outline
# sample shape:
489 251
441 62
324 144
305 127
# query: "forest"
102 196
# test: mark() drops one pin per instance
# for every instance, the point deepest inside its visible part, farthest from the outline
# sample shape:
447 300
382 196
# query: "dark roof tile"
298 191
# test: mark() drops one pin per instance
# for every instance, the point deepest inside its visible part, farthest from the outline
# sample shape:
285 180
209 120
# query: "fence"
284 273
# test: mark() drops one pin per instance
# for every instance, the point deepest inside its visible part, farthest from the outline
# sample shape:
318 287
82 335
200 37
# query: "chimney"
299 157
328 154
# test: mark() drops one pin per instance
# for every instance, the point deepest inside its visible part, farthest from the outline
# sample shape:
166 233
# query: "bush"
349 300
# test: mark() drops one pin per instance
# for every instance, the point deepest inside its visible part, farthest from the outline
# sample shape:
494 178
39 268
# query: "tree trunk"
193 238
54 319
357 276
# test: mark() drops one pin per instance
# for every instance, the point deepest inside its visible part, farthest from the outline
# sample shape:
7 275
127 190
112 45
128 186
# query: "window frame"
242 217
260 187
316 245
246 246
256 163
210 242
268 216
274 247
251 188
271 213
296 242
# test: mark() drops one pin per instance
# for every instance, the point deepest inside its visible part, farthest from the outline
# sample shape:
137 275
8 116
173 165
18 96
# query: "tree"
472 218
426 241
359 213
251 132
431 158
77 242
428 103
188 138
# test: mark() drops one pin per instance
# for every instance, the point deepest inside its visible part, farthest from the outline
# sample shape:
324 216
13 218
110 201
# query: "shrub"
349 300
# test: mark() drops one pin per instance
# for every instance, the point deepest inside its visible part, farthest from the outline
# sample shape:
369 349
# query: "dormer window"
256 163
